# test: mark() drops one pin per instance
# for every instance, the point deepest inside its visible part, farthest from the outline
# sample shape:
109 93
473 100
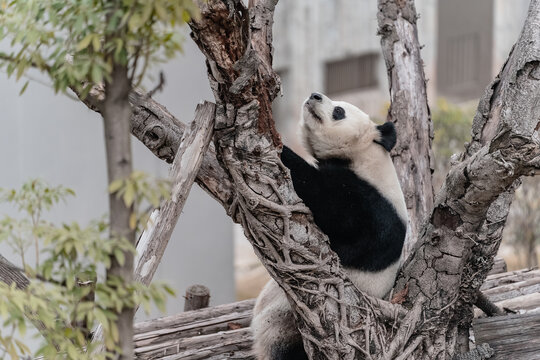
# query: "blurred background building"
320 45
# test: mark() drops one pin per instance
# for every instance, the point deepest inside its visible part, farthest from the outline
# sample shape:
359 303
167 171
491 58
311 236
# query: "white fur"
376 284
273 321
351 138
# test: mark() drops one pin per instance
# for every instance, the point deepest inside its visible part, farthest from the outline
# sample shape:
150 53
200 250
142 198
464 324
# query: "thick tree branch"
409 110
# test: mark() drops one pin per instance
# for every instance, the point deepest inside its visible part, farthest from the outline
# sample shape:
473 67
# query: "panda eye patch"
339 113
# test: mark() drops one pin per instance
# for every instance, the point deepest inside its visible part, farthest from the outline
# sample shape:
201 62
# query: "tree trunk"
409 111
116 115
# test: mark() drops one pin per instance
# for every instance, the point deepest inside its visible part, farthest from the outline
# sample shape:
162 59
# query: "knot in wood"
154 136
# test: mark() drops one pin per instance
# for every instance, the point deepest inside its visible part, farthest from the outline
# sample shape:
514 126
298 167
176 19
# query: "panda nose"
316 96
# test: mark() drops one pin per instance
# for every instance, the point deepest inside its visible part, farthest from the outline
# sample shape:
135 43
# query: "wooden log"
499 266
153 241
197 297
199 347
227 322
512 290
509 278
513 337
522 304
194 316
232 355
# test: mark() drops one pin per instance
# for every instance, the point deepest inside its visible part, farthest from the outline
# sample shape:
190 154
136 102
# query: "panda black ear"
388 135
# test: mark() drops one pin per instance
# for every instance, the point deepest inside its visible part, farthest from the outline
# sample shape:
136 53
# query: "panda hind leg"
290 351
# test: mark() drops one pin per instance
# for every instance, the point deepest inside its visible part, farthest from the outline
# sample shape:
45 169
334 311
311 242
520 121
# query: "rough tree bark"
116 115
409 110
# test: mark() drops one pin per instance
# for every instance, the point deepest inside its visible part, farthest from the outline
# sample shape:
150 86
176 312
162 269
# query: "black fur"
338 113
286 351
363 227
388 135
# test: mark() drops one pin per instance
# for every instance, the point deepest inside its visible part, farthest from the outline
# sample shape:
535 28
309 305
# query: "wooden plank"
509 278
199 347
513 290
515 337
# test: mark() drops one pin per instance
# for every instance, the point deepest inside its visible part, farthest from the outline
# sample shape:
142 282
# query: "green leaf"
120 257
134 22
129 195
83 44
161 11
96 74
185 16
24 88
115 185
96 44
132 221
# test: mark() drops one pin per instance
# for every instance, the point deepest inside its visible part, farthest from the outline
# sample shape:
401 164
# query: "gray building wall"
52 137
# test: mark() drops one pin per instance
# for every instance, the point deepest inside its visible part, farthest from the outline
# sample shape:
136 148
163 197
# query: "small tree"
82 43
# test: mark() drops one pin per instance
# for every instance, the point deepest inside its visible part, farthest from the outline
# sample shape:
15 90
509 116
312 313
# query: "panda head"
337 129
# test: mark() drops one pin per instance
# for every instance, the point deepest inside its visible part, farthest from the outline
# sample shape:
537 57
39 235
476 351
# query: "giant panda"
352 189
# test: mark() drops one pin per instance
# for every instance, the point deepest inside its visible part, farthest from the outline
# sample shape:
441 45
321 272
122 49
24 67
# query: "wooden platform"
222 332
